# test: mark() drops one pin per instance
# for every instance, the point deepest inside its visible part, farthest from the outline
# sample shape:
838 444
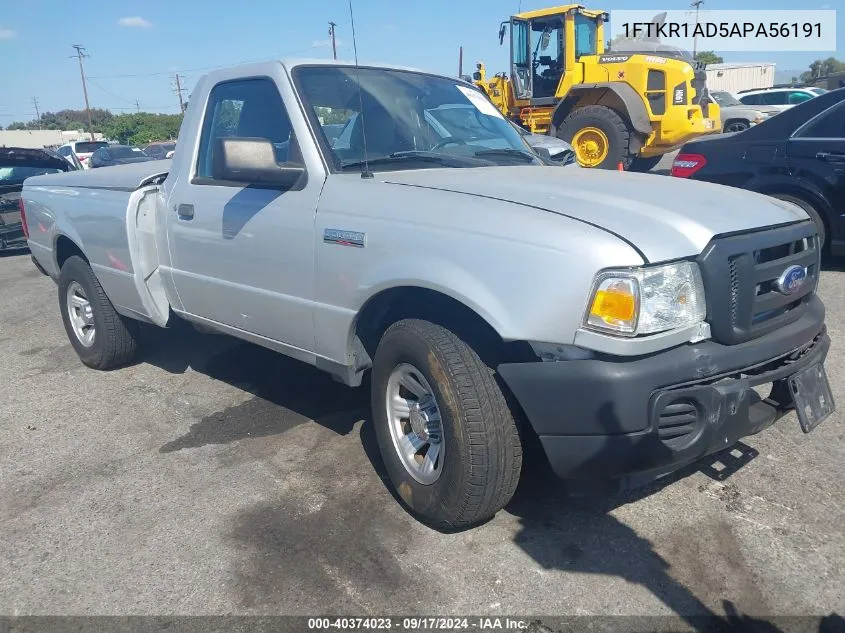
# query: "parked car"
797 156
159 150
17 164
778 98
82 150
118 155
559 150
736 116
493 297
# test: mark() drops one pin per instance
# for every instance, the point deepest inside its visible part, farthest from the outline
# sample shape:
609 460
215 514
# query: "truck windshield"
406 120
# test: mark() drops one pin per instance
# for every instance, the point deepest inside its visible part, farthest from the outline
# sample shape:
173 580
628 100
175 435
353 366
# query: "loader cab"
546 45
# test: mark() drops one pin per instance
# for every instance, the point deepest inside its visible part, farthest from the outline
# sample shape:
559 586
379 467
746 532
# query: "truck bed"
118 178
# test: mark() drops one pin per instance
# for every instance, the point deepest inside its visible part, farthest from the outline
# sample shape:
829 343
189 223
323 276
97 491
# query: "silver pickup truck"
625 320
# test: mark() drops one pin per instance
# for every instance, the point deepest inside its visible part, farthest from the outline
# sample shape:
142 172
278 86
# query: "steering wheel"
448 141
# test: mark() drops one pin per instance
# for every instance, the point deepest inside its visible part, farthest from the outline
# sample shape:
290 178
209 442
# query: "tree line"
131 128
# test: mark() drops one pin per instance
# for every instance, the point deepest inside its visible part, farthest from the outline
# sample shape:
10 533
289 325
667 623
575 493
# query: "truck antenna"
365 165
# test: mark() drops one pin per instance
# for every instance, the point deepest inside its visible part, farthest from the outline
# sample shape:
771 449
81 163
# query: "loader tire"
601 138
102 338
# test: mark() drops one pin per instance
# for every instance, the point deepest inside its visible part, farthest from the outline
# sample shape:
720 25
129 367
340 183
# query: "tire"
615 129
114 341
736 125
480 455
811 211
644 165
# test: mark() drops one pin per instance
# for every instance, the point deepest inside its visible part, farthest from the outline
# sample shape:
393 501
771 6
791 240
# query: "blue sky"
156 38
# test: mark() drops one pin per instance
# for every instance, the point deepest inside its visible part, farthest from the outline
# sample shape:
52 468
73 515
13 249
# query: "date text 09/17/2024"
418 624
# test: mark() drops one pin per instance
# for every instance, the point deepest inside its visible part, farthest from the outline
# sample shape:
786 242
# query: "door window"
750 99
520 50
798 97
829 124
245 108
773 98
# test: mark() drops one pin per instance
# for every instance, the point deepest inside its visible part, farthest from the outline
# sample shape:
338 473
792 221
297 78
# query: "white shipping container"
740 76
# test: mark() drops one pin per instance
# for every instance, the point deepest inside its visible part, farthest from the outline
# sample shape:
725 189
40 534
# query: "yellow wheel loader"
627 107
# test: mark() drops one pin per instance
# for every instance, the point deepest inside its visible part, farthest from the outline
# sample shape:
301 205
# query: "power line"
189 70
109 92
80 55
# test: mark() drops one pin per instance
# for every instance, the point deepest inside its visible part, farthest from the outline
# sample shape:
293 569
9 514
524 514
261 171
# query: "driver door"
521 70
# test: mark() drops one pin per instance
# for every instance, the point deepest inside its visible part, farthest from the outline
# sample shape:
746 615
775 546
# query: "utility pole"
460 62
697 4
137 106
37 113
179 90
80 55
332 26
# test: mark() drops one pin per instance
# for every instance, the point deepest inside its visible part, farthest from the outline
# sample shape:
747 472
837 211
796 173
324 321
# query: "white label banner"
725 30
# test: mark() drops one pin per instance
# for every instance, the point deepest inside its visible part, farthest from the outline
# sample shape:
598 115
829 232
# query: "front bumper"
608 417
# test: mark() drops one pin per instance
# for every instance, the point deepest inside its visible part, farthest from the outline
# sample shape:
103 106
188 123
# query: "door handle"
185 211
831 157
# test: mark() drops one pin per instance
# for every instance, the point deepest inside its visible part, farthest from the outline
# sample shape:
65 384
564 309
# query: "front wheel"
449 442
599 136
102 338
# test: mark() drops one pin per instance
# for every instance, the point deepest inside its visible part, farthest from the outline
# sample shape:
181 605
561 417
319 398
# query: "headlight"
646 300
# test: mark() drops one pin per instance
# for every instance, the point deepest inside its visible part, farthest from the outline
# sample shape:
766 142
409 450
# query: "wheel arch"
736 120
798 188
621 98
457 313
65 247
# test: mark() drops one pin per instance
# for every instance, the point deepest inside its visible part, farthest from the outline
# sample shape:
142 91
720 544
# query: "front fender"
635 108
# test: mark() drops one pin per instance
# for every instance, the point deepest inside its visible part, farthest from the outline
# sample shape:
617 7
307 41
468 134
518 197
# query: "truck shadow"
557 532
285 392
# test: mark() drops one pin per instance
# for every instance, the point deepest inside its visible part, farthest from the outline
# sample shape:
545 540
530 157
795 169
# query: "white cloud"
135 22
7 34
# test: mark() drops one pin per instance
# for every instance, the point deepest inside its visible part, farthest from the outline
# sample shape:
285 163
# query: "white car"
81 149
779 98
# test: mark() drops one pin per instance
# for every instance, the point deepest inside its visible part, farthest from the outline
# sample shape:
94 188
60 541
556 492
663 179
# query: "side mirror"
544 153
251 161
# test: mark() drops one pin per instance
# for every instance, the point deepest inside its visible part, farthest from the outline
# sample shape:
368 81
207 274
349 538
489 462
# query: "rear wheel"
600 137
811 211
447 436
102 338
736 126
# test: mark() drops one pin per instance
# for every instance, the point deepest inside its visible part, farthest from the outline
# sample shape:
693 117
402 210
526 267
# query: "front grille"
741 273
677 422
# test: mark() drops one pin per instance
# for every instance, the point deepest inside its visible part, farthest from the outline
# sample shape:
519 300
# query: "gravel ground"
215 477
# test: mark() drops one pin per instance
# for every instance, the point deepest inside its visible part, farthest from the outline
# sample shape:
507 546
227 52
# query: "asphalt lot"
214 477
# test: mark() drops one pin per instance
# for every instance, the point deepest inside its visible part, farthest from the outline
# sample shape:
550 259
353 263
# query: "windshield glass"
16 175
410 120
125 152
88 147
725 99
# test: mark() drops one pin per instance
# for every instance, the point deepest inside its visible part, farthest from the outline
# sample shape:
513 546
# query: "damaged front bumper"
610 417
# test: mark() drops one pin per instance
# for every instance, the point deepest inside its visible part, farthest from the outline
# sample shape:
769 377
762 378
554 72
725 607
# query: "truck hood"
662 217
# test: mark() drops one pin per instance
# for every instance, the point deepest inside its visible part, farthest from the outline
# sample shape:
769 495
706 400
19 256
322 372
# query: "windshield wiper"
414 156
508 153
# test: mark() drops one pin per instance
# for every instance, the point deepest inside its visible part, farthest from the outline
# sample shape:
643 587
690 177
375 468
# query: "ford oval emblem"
791 280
